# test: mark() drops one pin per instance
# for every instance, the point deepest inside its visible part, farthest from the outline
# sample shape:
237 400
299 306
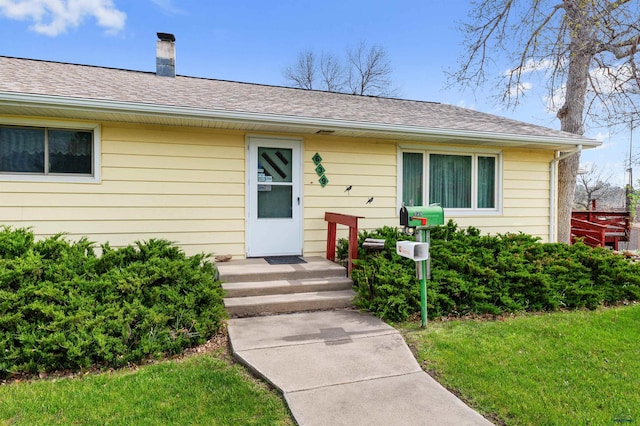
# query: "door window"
275 183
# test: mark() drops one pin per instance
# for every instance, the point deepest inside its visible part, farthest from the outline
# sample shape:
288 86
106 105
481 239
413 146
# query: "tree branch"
484 34
528 51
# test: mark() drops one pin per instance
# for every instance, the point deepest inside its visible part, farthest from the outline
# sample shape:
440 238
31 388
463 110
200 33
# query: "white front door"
274 198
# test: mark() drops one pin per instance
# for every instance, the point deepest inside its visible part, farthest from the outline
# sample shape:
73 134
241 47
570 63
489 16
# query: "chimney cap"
166 37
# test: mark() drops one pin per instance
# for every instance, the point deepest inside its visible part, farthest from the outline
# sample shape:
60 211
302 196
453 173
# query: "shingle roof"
70 81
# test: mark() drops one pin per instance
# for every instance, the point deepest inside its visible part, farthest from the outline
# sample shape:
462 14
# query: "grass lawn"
565 368
198 390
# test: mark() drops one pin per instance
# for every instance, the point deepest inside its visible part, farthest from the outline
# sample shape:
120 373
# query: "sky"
254 41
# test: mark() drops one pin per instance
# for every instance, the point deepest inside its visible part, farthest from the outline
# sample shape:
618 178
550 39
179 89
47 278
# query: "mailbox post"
420 219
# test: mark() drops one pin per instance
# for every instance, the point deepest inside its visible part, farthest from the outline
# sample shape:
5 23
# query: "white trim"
448 149
553 179
499 184
474 213
132 108
553 184
57 124
273 137
399 176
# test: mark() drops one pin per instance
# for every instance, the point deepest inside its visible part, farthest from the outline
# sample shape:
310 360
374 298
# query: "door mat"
284 260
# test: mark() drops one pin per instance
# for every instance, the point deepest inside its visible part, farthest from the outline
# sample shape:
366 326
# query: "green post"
423 284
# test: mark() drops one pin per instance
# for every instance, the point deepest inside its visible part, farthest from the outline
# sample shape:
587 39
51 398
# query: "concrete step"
252 270
307 285
254 287
284 303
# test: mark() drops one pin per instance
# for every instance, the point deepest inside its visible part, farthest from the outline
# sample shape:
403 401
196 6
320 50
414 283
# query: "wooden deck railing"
593 234
334 219
600 228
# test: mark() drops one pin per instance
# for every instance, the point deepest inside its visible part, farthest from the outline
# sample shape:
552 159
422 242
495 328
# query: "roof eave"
302 122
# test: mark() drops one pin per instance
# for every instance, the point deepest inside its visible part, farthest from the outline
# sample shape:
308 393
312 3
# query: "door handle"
298 200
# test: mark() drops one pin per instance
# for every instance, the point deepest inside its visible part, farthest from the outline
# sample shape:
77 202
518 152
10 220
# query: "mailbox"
419 218
433 214
415 251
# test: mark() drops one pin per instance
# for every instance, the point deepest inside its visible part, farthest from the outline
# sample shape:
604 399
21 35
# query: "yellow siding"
368 166
525 190
532 202
188 185
185 185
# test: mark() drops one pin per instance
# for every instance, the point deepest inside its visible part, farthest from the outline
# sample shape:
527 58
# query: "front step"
251 270
264 288
287 303
253 287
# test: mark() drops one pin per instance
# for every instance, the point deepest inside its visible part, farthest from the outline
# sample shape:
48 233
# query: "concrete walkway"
344 368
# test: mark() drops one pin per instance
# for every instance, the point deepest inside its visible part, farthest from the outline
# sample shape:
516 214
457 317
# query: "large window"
455 181
50 153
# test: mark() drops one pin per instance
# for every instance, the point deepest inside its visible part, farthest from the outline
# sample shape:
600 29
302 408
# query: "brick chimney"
166 55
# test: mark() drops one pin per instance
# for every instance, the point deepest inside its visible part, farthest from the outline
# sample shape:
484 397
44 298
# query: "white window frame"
474 154
57 125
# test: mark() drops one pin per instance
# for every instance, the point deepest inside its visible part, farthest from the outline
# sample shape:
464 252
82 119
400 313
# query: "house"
249 170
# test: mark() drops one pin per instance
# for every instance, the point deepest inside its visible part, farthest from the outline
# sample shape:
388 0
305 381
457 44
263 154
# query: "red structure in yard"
600 228
343 219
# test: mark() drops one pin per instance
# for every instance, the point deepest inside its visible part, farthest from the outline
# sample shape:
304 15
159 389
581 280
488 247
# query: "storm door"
274 204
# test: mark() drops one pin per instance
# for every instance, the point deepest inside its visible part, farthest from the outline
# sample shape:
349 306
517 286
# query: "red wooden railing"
343 219
600 228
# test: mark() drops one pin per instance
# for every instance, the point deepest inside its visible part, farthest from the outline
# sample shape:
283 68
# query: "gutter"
178 112
552 196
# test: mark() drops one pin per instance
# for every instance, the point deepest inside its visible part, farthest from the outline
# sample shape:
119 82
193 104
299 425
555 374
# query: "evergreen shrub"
490 274
62 307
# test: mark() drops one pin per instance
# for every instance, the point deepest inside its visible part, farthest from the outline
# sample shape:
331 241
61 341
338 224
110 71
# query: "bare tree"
332 73
585 50
369 71
365 71
304 72
595 185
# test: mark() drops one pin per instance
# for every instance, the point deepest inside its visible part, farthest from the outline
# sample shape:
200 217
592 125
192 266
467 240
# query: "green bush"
482 274
63 307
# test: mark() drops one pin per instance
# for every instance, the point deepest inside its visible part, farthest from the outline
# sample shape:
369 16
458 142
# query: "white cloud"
606 81
602 136
463 104
613 79
53 17
531 66
520 89
555 101
168 7
605 138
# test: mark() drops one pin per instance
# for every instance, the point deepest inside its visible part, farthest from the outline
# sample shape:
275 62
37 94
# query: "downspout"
552 196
